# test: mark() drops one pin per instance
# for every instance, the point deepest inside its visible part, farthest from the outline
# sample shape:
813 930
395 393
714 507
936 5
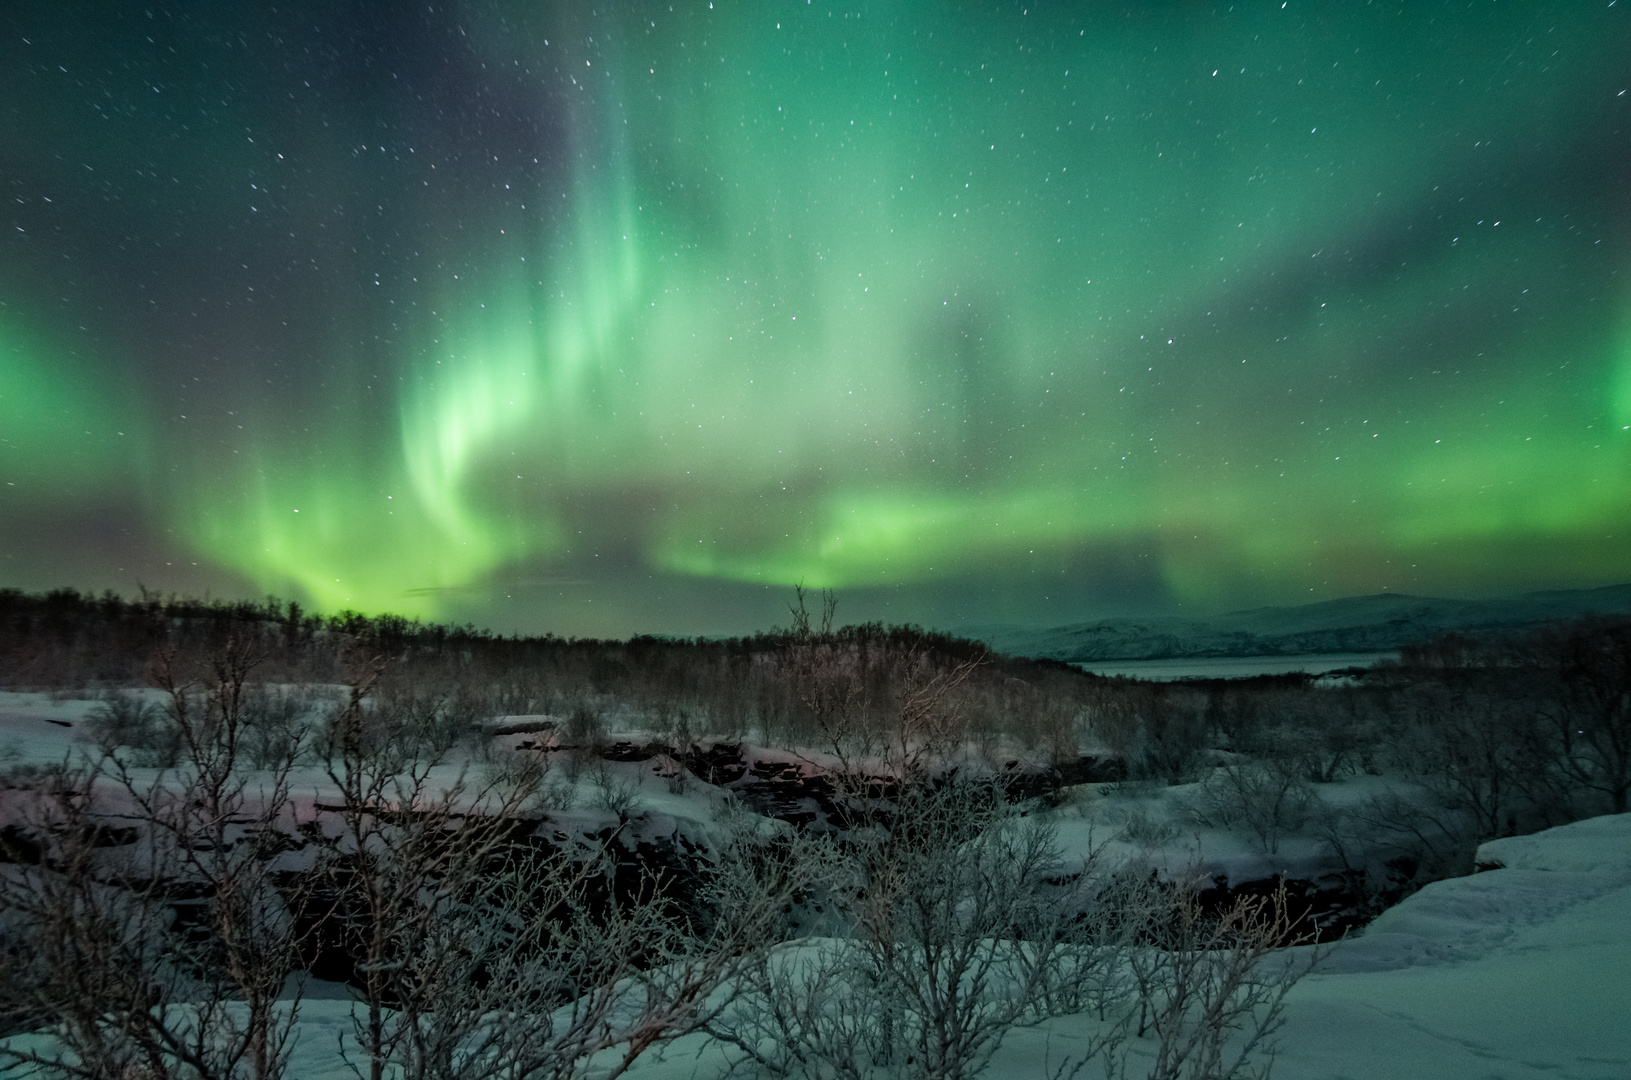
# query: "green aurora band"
1283 302
63 435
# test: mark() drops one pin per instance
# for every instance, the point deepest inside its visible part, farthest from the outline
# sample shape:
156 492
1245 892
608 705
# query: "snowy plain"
1520 971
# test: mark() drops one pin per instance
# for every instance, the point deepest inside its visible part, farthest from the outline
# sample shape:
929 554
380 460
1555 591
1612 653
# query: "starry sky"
613 317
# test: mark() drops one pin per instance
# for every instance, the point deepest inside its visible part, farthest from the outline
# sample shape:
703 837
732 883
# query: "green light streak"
63 434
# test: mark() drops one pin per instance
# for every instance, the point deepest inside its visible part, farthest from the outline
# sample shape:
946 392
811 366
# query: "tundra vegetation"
443 824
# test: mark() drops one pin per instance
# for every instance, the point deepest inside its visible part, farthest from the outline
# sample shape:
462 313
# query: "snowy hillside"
1354 624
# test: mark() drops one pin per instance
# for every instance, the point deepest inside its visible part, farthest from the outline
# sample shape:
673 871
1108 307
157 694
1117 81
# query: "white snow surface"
1521 971
1514 973
41 729
1518 972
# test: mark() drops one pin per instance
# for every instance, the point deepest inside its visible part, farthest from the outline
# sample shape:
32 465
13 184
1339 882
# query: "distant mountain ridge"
1350 625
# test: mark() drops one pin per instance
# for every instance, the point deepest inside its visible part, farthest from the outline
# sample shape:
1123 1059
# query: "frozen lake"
1233 667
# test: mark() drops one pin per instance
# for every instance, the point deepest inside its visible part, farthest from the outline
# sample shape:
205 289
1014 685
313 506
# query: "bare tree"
1590 718
929 722
175 948
1161 732
800 612
953 932
1210 994
483 950
958 925
829 679
88 964
403 863
1268 799
1470 742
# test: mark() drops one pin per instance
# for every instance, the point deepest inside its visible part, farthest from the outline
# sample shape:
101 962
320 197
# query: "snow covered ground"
41 729
1516 972
1519 972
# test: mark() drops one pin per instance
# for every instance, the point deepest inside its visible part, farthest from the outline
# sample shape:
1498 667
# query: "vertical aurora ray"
1274 304
503 389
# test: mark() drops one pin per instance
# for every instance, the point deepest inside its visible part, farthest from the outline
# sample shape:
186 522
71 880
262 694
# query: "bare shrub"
1210 995
959 926
167 953
401 870
957 932
1171 737
122 718
1145 831
680 738
505 767
1589 718
611 793
1471 745
1337 734
829 679
1265 799
425 720
1060 725
1326 733
89 961
482 952
278 724
585 732
1418 838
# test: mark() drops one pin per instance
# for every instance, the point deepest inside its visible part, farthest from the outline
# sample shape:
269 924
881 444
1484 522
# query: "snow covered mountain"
1355 624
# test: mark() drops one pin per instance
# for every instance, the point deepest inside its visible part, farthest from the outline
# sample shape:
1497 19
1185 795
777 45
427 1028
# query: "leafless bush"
1161 732
1210 995
611 793
1145 831
1339 734
959 926
403 863
426 720
278 724
122 718
1418 837
90 962
680 738
1267 799
481 952
1060 725
1326 733
829 679
884 710
956 933
585 731
503 767
164 955
1471 746
1589 716
1527 731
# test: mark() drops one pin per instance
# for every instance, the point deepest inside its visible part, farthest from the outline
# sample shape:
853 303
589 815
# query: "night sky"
551 316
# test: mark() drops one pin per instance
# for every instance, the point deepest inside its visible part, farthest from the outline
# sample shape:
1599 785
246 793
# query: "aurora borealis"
603 319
